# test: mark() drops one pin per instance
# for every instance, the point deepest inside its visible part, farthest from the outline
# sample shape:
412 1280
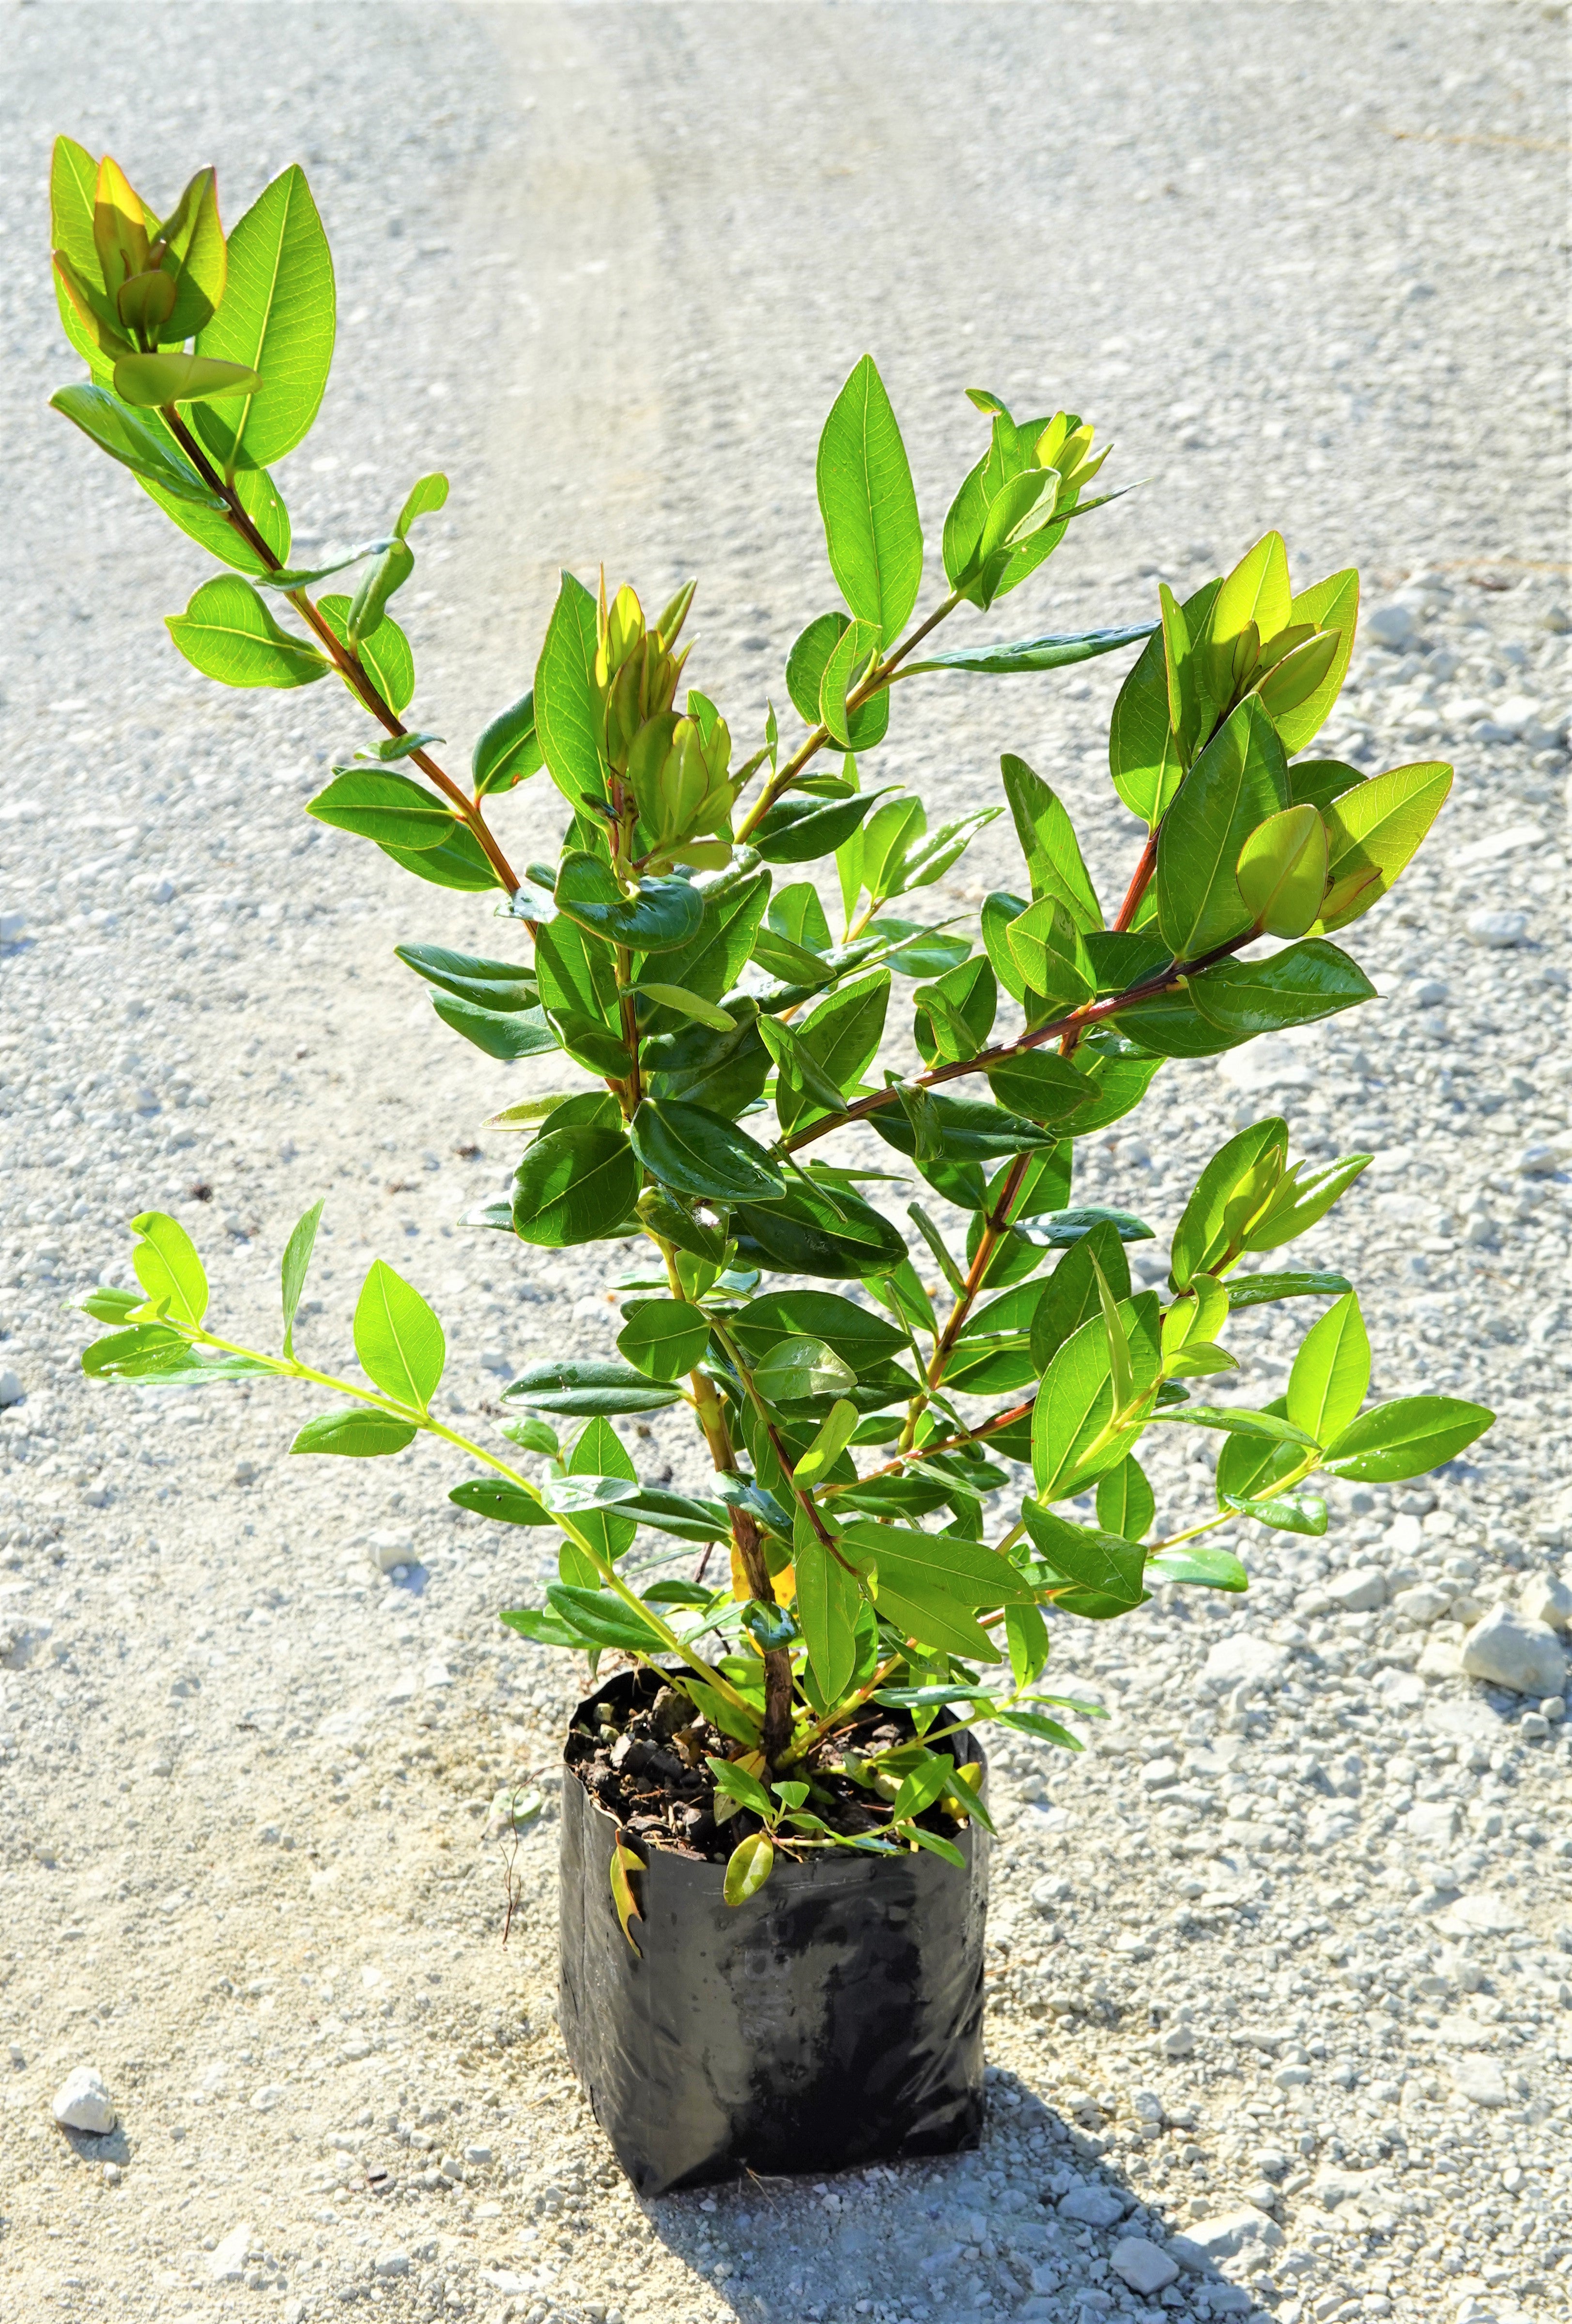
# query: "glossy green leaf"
1126 1504
378 804
397 1338
296 1261
695 1152
425 496
1023 654
805 668
580 1389
505 1503
227 634
748 1867
1054 863
391 570
966 1570
360 1435
149 381
605 1619
386 656
1316 783
798 1367
1257 1290
1299 1202
1105 1571
712 961
1073 1438
802 830
1406 1438
872 527
967 1128
861 1339
1231 1191
1235 1420
826 1605
846 667
1239 780
127 437
1044 1089
1283 1515
508 752
566 703
1283 871
168 1268
662 917
458 861
663 1337
1297 986
1373 831
1334 604
1197 1562
574 1185
1331 1372
1070 1297
601 1480
278 317
816 1231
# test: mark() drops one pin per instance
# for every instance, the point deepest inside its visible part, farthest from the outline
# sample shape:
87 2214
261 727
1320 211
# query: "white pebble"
1497 930
1143 2265
226 2261
1508 1651
82 2101
1359 1592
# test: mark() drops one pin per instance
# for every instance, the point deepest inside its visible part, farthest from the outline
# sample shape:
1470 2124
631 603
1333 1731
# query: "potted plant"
774 1830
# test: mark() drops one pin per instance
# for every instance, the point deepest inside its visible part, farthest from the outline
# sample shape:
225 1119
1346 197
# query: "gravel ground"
1281 1963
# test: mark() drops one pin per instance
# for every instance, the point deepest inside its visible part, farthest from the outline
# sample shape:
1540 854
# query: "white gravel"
1279 1968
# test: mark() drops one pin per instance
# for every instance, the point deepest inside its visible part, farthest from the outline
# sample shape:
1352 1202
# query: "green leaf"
1106 1571
1032 654
871 525
507 1504
1234 1420
828 1442
795 1368
805 668
577 976
1143 752
508 751
545 1629
1231 1192
1257 1290
1297 986
459 861
733 905
663 1337
1073 1439
1126 1504
966 1129
748 1867
604 1619
1331 1372
566 701
108 1304
168 1268
859 1338
1070 1294
687 1004
664 916
601 1480
926 1610
1026 1635
735 1783
277 316
843 1033
1406 1438
850 660
1332 605
1305 1516
505 1034
227 634
681 1515
148 381
575 1389
1211 1569
1282 870
1316 783
695 1152
968 1571
826 1604
1054 863
386 656
934 1774
1239 780
574 1185
397 1338
358 1435
374 803
426 495
799 831
393 567
1372 833
127 437
1043 1089
1299 1202
296 1260
812 1231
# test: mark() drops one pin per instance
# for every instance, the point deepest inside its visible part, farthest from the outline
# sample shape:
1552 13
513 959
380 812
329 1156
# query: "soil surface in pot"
652 1773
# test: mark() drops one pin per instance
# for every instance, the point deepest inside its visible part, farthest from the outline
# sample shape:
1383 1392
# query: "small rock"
481 2155
11 924
390 1549
1545 1600
82 2102
270 2094
1508 1651
1434 1821
1480 2080
1422 1604
1542 1161
1243 1660
1157 1774
1144 2267
1391 625
391 2263
1498 931
1201 2247
1094 2206
1177 2041
1359 1592
11 1389
226 2261
1428 992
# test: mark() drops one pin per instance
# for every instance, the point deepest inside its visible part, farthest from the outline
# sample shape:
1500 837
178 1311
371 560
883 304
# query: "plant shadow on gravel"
906 2240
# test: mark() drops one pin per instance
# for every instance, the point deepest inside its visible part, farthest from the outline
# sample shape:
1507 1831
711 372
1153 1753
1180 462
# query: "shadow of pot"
834 2019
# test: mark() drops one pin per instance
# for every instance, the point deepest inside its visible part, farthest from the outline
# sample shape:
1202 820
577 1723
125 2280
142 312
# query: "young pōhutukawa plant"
714 1034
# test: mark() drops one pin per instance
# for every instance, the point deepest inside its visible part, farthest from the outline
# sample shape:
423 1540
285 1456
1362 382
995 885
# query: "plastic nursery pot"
834 2019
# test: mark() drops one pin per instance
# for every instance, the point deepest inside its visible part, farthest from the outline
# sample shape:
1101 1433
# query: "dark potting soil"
652 1774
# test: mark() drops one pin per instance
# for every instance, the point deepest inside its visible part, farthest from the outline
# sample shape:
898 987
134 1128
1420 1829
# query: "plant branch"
347 663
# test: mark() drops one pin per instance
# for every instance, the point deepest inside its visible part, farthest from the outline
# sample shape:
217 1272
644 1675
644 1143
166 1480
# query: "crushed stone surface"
1280 1967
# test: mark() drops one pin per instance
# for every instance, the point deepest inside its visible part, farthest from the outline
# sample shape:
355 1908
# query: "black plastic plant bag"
833 2020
